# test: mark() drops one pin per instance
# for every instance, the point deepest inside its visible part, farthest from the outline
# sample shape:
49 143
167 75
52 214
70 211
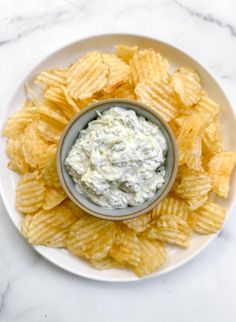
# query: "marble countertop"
31 289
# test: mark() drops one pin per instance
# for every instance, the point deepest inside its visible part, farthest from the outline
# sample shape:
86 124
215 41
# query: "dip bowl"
69 136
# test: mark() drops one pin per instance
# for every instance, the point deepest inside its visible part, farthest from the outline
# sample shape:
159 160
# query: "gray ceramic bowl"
68 138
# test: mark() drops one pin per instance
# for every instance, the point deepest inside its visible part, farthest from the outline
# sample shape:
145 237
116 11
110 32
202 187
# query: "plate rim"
39 249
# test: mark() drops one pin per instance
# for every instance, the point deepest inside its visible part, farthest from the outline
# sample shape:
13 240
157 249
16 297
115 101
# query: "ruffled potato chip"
60 97
172 230
50 131
186 83
73 106
55 95
171 206
147 64
17 123
100 96
140 223
106 263
91 237
51 114
212 138
208 219
178 121
118 74
191 127
153 256
27 104
34 147
126 249
88 101
125 52
220 168
125 91
54 77
76 211
174 127
193 159
31 96
158 95
49 171
206 106
87 76
17 160
53 198
194 204
30 193
48 227
194 184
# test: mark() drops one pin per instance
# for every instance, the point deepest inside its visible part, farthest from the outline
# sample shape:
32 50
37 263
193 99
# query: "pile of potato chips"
51 219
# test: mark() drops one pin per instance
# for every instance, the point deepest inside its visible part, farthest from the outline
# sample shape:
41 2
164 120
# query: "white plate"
64 57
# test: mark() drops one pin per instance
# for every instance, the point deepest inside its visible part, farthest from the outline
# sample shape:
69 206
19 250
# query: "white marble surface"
33 290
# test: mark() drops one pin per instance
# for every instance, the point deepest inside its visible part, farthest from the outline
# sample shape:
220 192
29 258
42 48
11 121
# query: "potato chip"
171 206
125 52
48 227
34 147
53 198
126 249
125 91
49 130
153 256
31 95
51 152
74 106
140 223
212 138
91 237
99 96
60 97
27 104
186 83
147 64
87 76
208 219
172 230
54 77
118 74
206 106
193 158
178 121
106 263
30 193
194 204
174 127
51 114
76 211
88 101
56 96
158 95
194 184
17 123
17 161
191 128
49 172
220 168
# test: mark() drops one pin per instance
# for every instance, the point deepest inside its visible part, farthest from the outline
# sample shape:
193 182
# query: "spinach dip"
119 159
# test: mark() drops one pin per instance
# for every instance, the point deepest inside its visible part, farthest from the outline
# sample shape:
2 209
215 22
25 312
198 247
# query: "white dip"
118 160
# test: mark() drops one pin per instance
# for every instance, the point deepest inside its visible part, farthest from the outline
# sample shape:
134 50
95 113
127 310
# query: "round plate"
62 58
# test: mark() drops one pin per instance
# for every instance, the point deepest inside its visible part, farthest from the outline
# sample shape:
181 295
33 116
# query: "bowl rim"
155 201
